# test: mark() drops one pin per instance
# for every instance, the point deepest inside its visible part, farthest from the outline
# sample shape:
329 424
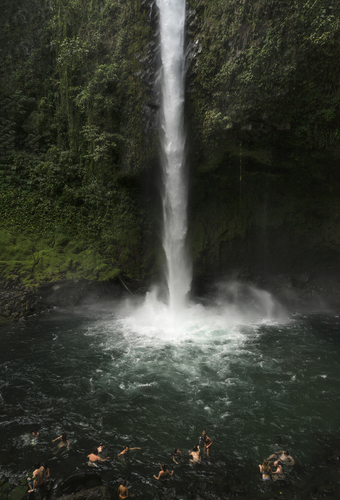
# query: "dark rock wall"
262 92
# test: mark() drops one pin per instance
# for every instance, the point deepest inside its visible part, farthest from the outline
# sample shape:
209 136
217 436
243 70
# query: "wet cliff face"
79 137
263 95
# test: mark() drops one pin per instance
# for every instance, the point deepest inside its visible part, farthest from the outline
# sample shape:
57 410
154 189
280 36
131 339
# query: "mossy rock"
3 489
113 274
61 241
18 493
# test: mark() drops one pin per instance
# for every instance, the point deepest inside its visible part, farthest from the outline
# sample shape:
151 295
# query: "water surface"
101 376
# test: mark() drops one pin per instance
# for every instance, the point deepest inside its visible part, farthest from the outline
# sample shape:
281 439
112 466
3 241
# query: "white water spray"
172 30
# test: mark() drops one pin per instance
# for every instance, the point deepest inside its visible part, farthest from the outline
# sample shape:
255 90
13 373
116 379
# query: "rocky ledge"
18 301
298 293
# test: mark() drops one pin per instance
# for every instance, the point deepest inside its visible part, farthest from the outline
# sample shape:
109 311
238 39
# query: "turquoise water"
105 375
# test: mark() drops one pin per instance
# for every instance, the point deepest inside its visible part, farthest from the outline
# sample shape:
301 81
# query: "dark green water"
101 376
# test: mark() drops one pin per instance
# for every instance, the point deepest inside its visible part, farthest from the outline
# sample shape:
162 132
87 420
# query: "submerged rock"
97 493
325 489
80 482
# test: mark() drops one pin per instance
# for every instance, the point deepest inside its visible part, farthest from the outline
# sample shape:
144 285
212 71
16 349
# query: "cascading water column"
172 34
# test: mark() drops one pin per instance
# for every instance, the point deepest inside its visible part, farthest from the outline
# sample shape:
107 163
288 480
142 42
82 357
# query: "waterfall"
172 35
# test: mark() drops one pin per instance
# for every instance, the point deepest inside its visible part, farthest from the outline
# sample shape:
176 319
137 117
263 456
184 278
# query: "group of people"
41 470
204 441
278 460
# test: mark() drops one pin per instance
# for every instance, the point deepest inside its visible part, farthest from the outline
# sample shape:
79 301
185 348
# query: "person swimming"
195 453
34 437
177 455
64 441
100 448
94 457
278 470
207 442
123 491
126 450
163 474
265 470
278 475
282 458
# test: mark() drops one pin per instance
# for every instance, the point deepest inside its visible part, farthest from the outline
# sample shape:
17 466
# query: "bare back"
123 491
39 476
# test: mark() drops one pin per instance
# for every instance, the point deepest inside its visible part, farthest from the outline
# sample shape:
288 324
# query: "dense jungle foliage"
79 145
71 132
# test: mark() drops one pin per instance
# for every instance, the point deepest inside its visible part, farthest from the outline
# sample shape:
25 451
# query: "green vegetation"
71 137
268 76
35 259
10 492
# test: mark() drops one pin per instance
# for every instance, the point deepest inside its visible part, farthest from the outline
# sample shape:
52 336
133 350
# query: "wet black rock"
79 482
97 493
18 301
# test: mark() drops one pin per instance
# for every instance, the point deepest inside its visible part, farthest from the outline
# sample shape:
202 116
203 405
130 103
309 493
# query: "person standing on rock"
38 477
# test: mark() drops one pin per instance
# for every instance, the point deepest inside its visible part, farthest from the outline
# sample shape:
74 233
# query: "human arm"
173 458
56 439
135 448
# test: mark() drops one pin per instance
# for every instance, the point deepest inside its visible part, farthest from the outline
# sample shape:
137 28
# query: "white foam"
236 306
